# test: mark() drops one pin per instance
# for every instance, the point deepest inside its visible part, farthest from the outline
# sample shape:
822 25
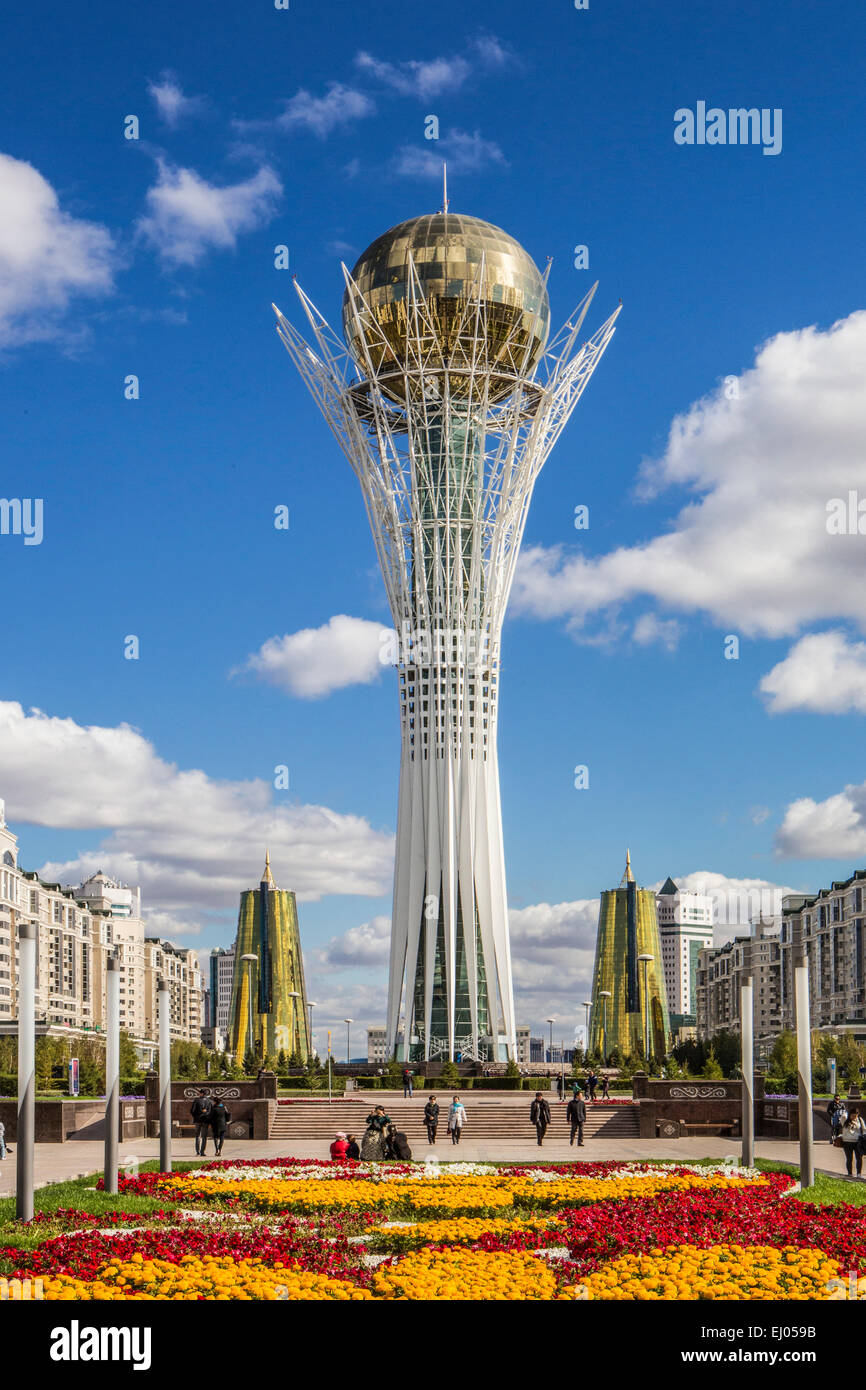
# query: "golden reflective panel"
461 262
626 1027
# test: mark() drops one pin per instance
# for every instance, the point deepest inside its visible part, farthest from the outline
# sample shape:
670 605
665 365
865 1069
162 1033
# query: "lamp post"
587 1004
26 1069
747 1049
112 1072
604 995
646 958
804 1066
294 994
251 960
551 1021
311 1004
164 1076
348 1022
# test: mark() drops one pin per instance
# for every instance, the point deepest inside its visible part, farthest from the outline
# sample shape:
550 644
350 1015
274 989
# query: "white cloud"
736 901
46 256
189 840
824 673
340 105
421 79
171 103
364 947
187 216
463 153
751 549
831 829
653 631
313 662
759 814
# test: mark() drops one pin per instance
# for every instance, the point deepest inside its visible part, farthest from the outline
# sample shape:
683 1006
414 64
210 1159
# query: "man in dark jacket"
431 1118
200 1111
540 1116
398 1145
576 1116
219 1118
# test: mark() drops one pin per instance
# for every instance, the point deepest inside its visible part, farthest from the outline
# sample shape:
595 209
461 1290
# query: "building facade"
721 972
446 406
221 975
685 928
830 928
377 1047
629 999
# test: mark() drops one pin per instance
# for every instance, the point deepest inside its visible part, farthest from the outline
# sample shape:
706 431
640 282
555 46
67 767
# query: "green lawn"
827 1192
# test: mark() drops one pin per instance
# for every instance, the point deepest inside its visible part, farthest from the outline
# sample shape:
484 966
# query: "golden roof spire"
628 876
267 876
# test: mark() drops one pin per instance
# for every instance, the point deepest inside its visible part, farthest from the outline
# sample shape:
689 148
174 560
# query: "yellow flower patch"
729 1273
465 1276
220 1279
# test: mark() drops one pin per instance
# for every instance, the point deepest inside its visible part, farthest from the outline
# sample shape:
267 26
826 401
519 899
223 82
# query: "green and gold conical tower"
629 999
269 999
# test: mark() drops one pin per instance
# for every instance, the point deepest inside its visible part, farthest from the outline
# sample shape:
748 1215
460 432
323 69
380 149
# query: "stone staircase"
504 1118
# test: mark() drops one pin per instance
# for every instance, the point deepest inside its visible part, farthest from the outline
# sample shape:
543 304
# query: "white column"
804 1066
747 1037
164 1077
112 1072
26 1069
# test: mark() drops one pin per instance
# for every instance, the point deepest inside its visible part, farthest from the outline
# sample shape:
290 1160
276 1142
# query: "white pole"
164 1077
26 1069
747 1036
112 1072
804 1068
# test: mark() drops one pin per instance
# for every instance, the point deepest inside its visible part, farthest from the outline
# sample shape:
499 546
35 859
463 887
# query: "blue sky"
155 257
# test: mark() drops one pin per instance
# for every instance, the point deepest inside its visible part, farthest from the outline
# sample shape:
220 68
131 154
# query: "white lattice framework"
447 455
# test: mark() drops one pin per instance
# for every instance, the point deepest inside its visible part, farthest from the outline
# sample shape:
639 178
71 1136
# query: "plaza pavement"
59 1162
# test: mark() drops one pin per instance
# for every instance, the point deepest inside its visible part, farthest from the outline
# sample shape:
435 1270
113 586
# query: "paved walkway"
59 1162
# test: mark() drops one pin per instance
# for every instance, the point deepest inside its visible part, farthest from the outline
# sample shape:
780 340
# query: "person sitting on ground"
398 1145
352 1150
340 1147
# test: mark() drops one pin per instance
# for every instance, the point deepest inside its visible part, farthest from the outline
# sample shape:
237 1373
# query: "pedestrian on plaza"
431 1119
592 1082
398 1145
407 1083
576 1116
200 1111
352 1150
539 1114
836 1116
853 1138
374 1144
219 1120
605 1087
456 1119
2 1140
575 1088
340 1147
559 1087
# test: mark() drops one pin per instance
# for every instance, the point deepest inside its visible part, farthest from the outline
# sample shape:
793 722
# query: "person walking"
576 1116
559 1087
575 1088
373 1144
2 1140
836 1116
456 1119
352 1150
219 1120
431 1119
200 1111
407 1083
605 1087
853 1137
592 1082
339 1150
539 1114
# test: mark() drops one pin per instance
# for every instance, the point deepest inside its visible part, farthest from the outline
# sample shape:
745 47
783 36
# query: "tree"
128 1056
783 1058
449 1076
251 1064
712 1071
512 1070
281 1060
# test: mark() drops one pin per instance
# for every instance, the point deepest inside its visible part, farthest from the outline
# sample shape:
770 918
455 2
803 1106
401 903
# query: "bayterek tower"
446 397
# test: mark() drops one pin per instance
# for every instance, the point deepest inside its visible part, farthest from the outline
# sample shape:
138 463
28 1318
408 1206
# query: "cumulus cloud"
188 839
464 154
421 79
171 102
339 106
824 673
47 256
313 662
751 549
831 829
187 216
652 631
363 947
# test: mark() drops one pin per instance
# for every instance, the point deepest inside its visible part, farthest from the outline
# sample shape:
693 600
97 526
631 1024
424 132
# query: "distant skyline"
149 408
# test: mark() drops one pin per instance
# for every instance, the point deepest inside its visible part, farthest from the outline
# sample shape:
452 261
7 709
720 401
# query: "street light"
293 994
604 995
347 1022
587 1004
551 1021
311 1004
250 960
646 964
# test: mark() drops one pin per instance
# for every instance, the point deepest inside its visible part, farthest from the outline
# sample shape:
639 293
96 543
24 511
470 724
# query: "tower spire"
628 876
444 187
267 876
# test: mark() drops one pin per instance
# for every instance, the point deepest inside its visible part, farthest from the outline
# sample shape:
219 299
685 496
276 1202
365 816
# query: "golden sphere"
447 250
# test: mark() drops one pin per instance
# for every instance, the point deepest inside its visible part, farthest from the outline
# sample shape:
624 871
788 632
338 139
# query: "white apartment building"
222 965
686 928
376 1046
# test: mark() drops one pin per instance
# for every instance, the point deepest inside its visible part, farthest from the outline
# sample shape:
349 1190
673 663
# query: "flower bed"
301 1230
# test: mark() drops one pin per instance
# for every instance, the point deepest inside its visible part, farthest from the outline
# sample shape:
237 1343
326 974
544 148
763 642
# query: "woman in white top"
853 1138
456 1119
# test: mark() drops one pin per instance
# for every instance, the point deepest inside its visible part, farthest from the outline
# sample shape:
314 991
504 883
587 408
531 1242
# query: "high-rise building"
686 928
629 999
376 1046
447 401
222 965
269 998
721 972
